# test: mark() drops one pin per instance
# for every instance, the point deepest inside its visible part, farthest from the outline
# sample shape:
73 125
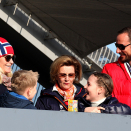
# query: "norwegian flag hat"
5 47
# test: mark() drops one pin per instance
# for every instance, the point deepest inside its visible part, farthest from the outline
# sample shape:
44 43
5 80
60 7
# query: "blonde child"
23 84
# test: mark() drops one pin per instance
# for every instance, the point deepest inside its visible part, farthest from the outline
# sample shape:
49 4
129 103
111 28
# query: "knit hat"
5 47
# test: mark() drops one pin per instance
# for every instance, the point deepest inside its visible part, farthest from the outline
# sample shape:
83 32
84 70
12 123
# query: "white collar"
95 104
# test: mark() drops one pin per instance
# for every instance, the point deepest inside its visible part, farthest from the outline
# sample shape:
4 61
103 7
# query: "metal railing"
103 56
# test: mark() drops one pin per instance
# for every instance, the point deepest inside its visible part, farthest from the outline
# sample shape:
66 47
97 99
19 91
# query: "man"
120 71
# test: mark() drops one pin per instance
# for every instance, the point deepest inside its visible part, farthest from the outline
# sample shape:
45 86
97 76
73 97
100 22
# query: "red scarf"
67 94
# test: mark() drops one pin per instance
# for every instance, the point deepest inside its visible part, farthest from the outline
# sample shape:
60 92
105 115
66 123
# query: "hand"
94 109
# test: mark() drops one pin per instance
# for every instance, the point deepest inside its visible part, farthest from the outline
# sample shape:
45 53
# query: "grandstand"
40 31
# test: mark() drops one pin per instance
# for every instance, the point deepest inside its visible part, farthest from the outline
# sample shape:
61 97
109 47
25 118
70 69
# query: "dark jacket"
52 100
3 89
112 106
9 101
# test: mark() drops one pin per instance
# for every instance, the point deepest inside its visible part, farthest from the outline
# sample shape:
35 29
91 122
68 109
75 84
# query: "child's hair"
105 81
22 79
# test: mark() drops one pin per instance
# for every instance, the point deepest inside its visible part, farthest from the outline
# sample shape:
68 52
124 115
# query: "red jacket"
121 79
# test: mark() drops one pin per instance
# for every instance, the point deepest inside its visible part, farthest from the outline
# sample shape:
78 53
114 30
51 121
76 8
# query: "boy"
99 88
23 84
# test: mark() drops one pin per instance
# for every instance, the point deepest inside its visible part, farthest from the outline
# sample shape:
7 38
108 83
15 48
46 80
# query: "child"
23 84
99 88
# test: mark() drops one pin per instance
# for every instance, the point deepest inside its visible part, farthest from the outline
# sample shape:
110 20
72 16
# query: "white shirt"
95 104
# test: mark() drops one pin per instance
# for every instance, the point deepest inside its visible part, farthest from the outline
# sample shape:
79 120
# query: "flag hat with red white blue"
5 47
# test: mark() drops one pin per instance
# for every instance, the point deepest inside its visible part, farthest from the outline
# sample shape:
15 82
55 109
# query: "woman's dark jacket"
52 100
3 89
113 106
9 101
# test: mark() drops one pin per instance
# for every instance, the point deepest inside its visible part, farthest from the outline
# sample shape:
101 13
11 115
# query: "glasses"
121 46
63 75
9 57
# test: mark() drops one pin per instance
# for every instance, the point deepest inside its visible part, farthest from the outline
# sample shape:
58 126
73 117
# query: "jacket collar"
109 100
55 89
80 92
54 94
125 69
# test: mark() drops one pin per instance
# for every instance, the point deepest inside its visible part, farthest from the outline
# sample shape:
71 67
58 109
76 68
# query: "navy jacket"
9 101
2 89
112 106
52 100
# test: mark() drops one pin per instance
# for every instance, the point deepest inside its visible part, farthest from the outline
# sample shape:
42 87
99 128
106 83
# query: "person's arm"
30 106
118 108
104 70
94 109
82 104
42 103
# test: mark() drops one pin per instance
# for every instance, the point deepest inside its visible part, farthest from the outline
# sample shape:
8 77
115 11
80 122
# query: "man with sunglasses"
120 71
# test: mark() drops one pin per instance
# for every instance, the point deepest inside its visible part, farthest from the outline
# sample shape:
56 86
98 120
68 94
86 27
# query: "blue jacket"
113 106
52 100
13 100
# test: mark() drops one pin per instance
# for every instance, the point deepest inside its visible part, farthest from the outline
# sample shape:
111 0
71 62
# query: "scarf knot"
67 94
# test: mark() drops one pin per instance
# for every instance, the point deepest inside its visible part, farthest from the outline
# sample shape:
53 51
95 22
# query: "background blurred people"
6 60
99 88
65 71
120 71
23 84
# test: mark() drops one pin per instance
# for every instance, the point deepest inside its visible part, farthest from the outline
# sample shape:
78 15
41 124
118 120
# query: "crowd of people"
108 91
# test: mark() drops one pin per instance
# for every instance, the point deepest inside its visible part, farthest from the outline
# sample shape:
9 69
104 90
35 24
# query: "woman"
65 71
6 60
99 88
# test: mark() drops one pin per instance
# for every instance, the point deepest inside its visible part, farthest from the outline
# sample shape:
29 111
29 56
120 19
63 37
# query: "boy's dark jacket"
9 101
112 106
52 100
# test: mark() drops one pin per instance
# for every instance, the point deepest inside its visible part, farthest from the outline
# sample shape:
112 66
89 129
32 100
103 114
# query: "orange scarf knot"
67 94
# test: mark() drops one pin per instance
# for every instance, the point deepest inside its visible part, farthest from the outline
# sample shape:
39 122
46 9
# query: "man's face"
125 55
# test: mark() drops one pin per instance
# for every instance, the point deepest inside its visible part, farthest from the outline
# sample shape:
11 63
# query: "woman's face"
66 77
6 66
92 89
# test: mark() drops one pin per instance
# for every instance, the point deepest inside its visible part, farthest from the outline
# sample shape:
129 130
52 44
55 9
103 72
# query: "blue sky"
112 47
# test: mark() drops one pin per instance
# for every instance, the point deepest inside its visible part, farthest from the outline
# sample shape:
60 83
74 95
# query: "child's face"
92 89
33 92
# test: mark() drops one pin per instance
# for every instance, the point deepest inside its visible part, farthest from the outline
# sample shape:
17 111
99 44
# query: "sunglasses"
121 46
63 75
9 57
